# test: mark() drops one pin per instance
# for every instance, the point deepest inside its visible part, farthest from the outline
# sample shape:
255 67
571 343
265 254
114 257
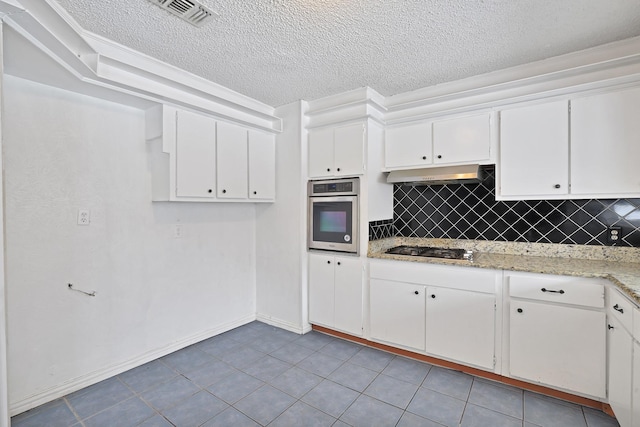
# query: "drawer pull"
551 290
617 308
610 327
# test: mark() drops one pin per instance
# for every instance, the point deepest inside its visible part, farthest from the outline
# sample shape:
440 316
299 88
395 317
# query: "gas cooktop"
426 251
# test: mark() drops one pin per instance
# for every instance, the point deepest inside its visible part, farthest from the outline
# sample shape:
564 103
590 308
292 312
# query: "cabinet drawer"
619 307
567 290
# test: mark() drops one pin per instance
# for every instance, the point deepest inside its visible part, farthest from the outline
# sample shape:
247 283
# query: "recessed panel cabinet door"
408 145
461 326
232 161
620 363
348 295
321 289
349 150
464 139
321 153
636 383
558 346
195 155
397 313
262 166
605 143
534 151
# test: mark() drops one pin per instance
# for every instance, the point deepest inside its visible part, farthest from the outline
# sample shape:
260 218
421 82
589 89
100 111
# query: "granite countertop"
618 265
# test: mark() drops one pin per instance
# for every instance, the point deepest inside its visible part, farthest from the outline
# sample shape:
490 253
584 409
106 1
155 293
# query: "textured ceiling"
278 51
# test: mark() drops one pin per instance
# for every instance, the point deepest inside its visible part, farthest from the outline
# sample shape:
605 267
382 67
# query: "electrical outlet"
614 234
84 216
177 231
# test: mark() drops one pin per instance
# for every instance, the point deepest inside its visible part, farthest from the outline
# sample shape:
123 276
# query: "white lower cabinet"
620 379
335 292
559 346
461 326
397 313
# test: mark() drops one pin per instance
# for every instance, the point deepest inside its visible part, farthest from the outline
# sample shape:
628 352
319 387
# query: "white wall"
280 231
155 293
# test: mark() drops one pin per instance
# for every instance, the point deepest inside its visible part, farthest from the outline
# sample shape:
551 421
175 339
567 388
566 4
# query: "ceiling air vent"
189 10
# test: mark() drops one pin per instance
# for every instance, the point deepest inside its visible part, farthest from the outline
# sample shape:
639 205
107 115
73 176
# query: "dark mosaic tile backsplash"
470 211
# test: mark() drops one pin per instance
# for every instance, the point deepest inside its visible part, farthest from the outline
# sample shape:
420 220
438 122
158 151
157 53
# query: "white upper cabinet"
590 150
462 140
262 166
605 144
195 155
335 152
195 158
534 151
232 161
453 141
408 145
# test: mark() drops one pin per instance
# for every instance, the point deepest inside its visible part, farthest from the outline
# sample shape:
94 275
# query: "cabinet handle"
617 308
439 156
424 157
210 191
552 291
416 292
519 310
557 186
610 327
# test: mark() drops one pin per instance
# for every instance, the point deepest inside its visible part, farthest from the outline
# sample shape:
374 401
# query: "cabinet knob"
610 327
439 156
519 310
338 262
224 191
557 186
209 191
617 308
416 292
338 169
424 157
255 192
328 169
328 262
433 296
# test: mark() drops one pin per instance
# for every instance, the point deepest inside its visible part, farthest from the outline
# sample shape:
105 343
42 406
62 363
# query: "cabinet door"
262 166
461 326
321 289
636 384
462 140
620 365
397 313
348 295
195 155
534 151
321 153
558 346
408 145
232 161
349 150
605 144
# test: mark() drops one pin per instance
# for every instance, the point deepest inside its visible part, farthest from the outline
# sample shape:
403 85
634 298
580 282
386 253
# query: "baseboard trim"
102 374
584 401
291 327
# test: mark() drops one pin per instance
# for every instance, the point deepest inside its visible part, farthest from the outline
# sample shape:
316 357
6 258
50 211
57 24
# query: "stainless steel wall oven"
333 215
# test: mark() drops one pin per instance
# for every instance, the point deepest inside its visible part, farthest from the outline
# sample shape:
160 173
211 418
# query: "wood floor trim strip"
472 371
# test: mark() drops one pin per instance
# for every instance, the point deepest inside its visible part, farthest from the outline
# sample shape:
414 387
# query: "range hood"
466 174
